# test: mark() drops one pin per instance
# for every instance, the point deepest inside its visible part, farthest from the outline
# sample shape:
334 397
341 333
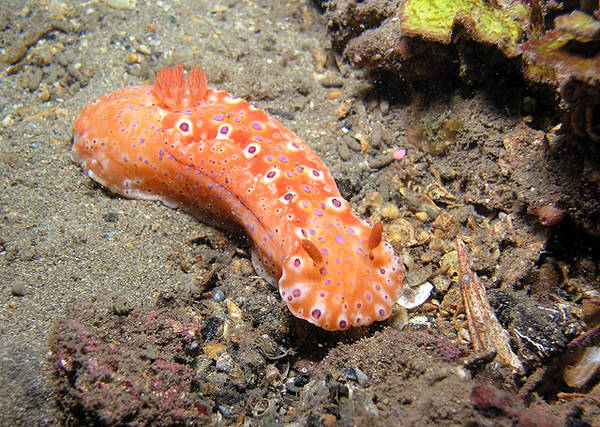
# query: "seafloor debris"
568 51
568 57
486 332
584 369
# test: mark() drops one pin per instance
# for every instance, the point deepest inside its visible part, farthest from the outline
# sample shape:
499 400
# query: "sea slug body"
230 164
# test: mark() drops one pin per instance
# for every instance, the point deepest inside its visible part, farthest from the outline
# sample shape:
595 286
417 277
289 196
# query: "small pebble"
377 135
17 289
418 323
355 374
121 4
34 80
343 151
384 106
342 110
121 307
330 79
389 211
218 295
380 161
421 216
44 94
132 58
111 217
352 143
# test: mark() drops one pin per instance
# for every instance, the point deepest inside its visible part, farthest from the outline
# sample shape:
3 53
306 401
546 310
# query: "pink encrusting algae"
220 157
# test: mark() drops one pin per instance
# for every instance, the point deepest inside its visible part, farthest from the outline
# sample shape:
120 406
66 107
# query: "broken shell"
214 350
414 297
580 373
272 374
234 311
591 311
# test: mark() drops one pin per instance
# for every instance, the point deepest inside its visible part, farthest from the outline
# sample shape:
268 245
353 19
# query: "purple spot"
296 293
323 271
283 159
368 296
252 149
288 196
336 203
316 313
315 172
258 137
289 298
125 159
312 232
339 239
338 260
295 145
358 319
342 323
184 127
256 126
161 152
328 282
318 212
325 251
300 168
322 294
224 130
142 140
382 270
306 188
358 305
271 174
350 230
269 158
304 233
297 262
378 287
305 204
322 205
381 312
218 117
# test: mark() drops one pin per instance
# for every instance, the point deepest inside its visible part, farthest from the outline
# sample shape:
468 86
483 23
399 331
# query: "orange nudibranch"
229 163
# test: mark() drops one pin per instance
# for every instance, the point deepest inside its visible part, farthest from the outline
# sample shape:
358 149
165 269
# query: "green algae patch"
502 24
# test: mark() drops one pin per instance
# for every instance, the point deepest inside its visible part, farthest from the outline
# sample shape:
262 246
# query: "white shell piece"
414 297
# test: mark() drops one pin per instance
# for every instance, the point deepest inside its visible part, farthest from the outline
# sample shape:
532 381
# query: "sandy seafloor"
65 239
56 244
